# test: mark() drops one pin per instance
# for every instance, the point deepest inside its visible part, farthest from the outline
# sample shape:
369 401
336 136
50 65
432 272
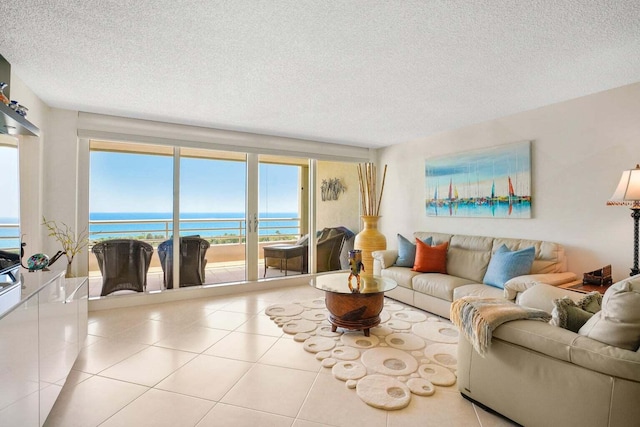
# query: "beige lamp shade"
628 191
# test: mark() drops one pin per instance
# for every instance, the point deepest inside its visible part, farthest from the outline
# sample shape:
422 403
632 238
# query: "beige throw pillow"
618 323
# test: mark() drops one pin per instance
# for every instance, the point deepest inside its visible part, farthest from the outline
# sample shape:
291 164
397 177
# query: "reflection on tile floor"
221 362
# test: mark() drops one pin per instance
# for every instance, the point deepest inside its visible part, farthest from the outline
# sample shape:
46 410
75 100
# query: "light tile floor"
222 362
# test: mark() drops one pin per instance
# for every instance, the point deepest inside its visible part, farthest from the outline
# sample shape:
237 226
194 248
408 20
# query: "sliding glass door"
130 198
224 206
283 215
213 192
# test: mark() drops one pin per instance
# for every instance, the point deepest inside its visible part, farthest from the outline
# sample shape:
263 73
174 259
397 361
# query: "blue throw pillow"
407 251
506 264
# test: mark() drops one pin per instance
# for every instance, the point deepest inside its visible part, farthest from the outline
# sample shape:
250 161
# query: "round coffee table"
353 310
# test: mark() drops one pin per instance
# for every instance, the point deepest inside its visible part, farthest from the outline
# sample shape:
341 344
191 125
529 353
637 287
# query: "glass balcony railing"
215 230
10 237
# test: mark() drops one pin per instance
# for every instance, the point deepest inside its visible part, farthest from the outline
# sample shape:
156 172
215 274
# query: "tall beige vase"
369 240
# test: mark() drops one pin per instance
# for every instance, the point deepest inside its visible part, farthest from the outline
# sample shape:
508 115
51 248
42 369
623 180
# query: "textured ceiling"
366 73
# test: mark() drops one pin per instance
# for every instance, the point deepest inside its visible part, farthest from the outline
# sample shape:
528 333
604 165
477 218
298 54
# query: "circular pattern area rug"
409 354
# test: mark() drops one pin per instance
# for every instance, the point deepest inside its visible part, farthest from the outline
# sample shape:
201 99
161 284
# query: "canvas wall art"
492 182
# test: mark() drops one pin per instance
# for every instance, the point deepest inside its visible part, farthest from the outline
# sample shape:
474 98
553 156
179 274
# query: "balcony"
225 257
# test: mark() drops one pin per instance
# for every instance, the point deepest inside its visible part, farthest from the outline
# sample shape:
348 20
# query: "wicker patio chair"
123 264
193 250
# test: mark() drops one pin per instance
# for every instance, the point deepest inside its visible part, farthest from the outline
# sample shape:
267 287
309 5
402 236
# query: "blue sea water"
9 236
158 224
205 224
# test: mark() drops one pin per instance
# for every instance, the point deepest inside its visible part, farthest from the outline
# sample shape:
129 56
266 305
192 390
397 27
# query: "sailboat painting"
493 182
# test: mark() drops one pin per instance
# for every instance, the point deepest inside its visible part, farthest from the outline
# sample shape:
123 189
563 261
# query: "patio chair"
123 264
193 250
328 253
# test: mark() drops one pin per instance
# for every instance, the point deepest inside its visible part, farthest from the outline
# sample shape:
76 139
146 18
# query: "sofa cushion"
550 257
477 290
407 251
436 238
506 264
438 285
402 275
430 259
469 257
618 323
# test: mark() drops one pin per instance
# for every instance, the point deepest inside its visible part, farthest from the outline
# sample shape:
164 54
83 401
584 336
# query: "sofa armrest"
520 284
605 358
385 259
537 336
570 347
541 296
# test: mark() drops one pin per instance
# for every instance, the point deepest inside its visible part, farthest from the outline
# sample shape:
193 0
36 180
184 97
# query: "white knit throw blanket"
478 317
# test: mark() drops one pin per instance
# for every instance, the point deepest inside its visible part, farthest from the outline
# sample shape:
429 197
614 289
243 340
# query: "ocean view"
205 224
9 233
156 225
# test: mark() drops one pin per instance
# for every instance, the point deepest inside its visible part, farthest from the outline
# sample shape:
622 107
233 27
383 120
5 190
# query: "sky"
123 182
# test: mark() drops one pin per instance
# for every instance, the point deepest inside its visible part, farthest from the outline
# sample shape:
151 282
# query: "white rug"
409 354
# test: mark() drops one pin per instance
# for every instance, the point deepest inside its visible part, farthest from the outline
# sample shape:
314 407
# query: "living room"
584 132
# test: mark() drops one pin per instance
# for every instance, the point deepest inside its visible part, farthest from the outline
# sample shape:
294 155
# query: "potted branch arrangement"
370 239
71 243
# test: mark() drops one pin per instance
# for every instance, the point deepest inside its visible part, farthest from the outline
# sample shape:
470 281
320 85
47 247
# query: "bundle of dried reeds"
369 197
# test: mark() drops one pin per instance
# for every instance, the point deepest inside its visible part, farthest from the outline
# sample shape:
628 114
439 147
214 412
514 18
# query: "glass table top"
338 283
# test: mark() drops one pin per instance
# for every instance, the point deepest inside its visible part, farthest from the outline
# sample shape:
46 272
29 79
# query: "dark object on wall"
11 122
330 190
193 250
124 264
600 277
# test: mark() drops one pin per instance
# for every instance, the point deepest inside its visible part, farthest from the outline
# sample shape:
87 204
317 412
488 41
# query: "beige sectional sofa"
542 375
467 261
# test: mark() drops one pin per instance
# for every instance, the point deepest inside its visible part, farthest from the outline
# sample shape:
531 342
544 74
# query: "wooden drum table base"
354 311
359 310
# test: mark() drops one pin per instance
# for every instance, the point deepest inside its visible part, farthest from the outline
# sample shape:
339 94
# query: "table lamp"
628 194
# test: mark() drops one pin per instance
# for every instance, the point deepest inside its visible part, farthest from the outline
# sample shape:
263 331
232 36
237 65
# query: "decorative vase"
69 271
369 240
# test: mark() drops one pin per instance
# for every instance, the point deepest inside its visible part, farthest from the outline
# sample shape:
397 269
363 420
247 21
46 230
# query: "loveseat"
538 374
467 261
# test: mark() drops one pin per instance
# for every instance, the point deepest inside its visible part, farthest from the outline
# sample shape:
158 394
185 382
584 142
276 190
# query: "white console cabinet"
40 338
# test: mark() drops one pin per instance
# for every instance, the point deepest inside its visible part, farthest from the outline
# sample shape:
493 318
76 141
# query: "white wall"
60 172
31 161
579 150
346 210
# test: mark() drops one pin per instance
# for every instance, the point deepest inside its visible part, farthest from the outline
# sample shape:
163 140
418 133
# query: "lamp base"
635 214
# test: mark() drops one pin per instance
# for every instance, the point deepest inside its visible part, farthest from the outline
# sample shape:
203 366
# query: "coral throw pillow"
407 251
431 259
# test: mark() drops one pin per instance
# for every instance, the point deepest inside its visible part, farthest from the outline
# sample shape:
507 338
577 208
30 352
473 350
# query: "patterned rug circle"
409 353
